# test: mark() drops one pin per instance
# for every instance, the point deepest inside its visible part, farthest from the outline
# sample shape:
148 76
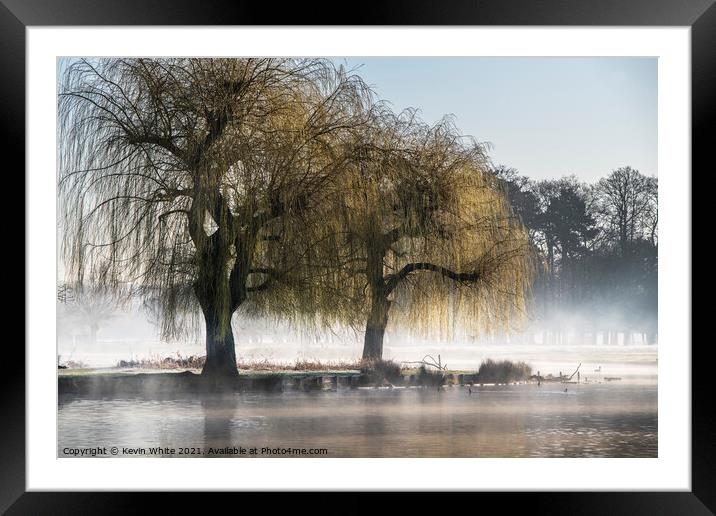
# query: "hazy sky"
546 117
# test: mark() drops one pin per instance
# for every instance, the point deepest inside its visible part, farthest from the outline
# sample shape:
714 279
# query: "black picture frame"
16 15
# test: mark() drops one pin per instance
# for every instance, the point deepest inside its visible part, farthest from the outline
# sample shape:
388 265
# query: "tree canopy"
277 186
425 227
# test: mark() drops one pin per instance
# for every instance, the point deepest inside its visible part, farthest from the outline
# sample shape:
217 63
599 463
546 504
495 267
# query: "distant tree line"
598 246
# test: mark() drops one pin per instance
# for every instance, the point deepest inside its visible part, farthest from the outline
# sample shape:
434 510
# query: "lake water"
611 419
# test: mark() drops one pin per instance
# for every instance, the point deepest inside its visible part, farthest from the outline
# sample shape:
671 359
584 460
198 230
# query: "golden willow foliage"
422 221
278 187
191 179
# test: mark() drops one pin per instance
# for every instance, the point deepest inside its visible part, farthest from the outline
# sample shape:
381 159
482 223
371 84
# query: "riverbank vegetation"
503 371
368 373
156 379
197 363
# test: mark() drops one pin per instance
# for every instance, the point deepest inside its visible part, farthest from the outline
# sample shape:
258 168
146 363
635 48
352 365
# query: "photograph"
357 257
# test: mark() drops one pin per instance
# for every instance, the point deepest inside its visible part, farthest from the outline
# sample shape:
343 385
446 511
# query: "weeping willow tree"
426 233
200 181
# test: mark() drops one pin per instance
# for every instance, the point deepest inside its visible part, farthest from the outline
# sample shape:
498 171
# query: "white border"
671 470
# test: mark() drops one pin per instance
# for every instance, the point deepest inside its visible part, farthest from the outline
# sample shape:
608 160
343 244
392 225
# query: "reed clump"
503 371
430 378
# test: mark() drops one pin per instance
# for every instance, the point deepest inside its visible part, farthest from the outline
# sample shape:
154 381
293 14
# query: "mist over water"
592 420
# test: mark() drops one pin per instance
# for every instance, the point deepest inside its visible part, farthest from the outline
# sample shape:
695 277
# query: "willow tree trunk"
375 328
212 286
379 304
220 349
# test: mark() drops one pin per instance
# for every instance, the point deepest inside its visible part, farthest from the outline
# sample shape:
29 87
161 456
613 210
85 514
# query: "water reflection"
600 420
217 420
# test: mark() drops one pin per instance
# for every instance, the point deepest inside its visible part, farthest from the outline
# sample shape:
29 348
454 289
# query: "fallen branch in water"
575 372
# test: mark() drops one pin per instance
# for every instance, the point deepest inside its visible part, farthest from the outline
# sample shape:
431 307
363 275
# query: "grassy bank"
169 377
192 362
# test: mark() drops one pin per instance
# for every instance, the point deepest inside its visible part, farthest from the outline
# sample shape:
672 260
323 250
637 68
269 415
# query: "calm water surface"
617 419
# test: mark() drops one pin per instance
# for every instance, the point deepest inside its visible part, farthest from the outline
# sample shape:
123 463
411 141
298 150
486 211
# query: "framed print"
433 250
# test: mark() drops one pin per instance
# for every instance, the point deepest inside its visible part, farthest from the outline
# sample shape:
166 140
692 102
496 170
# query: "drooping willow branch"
394 279
184 176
